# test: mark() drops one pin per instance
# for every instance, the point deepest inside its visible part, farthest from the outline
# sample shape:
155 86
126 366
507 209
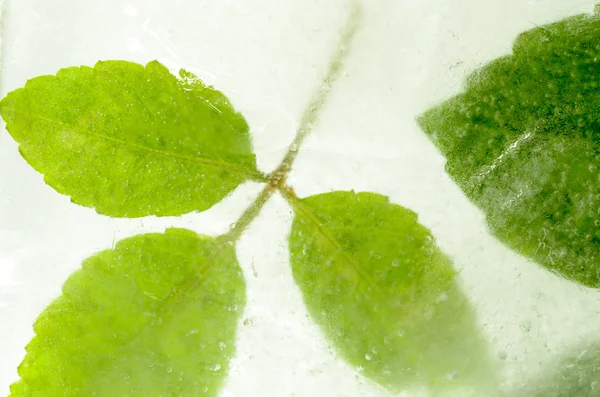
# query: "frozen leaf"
130 140
576 375
384 295
155 316
523 142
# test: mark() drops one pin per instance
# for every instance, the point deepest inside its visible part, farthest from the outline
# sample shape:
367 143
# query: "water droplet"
215 367
368 357
400 332
375 350
170 369
222 345
232 226
395 263
248 322
374 255
525 326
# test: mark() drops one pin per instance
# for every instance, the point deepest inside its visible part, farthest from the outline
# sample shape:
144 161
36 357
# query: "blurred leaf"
130 140
575 375
155 316
523 142
384 295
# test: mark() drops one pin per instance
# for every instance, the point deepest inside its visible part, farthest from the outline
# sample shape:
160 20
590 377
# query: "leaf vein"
309 216
224 165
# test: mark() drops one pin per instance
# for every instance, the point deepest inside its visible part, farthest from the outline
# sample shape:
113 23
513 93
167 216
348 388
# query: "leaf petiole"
276 180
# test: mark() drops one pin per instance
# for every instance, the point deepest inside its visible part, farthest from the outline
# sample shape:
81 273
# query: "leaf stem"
249 214
259 176
313 110
276 180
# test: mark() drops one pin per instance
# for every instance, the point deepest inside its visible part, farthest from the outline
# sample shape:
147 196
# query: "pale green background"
267 56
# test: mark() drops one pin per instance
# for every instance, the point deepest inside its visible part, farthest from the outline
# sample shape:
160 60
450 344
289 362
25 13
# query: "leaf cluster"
157 315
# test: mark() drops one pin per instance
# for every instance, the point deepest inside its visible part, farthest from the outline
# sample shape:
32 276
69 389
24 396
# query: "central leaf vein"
224 165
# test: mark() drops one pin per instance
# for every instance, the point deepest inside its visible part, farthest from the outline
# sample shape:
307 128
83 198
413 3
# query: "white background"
268 57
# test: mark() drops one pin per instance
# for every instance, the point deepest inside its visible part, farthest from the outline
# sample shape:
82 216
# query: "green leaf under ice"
155 316
523 143
131 140
384 295
576 374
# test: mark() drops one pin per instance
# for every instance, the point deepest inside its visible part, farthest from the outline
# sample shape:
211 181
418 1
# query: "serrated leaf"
130 140
384 295
577 374
155 316
523 142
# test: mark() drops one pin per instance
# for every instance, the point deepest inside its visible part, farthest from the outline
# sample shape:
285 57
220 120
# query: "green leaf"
384 295
130 140
155 316
523 143
575 375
